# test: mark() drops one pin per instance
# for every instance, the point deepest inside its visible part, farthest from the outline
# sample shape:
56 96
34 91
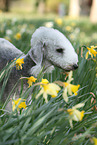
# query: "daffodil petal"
69 89
44 81
74 88
79 105
87 54
40 93
77 115
65 97
45 97
71 124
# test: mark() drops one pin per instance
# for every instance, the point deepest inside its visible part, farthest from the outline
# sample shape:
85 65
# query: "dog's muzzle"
71 68
75 66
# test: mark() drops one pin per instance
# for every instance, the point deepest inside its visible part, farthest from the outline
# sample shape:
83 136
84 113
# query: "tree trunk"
85 6
41 7
74 8
7 4
93 13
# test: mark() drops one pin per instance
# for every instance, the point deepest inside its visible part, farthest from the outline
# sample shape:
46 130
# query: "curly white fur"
44 45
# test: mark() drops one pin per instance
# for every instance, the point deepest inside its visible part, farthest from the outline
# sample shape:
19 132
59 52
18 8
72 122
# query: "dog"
49 47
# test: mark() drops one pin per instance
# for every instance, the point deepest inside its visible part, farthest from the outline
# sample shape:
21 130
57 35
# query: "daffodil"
68 28
18 36
59 21
69 88
95 140
91 51
75 114
48 89
19 63
19 103
31 80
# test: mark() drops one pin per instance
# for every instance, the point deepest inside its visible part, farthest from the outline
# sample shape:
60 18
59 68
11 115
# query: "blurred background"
77 19
73 8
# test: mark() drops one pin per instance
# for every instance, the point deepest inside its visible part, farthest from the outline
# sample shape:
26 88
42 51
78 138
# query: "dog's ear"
37 54
37 51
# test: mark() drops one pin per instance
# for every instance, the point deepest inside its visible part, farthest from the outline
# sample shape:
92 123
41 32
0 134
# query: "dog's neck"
31 68
28 64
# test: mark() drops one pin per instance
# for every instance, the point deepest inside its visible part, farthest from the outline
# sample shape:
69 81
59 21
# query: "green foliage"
48 124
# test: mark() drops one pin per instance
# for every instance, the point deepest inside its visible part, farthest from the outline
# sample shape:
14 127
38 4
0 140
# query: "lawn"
49 123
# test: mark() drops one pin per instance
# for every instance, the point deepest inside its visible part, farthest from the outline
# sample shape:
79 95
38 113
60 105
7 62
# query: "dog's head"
51 47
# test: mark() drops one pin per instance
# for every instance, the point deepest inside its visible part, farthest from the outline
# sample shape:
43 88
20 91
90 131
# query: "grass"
48 123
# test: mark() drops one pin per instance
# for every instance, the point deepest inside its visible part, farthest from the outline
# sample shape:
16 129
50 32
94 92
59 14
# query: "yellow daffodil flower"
31 80
69 88
19 63
18 36
59 21
48 89
95 140
68 28
20 103
75 114
91 51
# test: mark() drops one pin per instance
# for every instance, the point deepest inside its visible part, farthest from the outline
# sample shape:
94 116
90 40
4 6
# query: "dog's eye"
60 50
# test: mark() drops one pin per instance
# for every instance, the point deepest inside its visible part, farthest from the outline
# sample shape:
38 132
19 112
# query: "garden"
63 106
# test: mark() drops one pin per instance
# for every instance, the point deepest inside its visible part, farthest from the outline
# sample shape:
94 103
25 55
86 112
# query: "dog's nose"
75 66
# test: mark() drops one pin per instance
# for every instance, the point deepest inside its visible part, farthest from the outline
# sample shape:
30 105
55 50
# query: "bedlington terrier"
48 47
